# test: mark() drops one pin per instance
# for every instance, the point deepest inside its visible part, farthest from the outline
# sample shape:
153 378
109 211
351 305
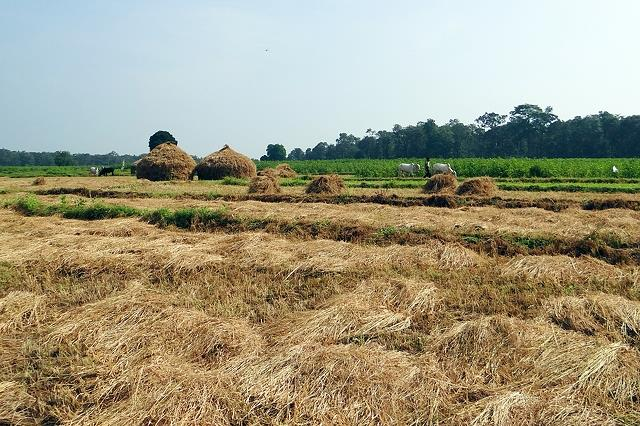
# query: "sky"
101 76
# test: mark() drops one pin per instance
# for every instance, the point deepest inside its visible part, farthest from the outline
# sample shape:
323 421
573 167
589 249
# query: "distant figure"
122 168
614 169
427 168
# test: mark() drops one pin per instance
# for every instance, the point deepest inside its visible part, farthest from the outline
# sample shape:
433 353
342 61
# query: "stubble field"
129 302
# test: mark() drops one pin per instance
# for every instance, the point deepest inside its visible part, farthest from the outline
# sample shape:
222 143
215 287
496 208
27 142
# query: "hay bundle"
482 186
345 318
284 170
128 328
328 184
340 384
264 185
166 162
16 405
614 316
443 182
39 181
20 309
223 163
268 172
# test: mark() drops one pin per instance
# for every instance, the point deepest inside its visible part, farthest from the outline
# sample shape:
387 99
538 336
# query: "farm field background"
126 301
465 167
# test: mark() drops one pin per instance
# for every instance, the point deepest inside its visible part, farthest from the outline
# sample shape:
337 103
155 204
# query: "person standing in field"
427 172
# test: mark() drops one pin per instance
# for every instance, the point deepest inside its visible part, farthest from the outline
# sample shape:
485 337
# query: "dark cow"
107 170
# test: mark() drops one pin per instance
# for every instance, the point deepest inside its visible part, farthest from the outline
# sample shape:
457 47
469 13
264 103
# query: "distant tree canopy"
275 152
63 158
527 131
160 137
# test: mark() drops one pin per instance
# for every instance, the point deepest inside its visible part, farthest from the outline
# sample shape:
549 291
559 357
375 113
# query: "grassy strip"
609 248
445 201
585 187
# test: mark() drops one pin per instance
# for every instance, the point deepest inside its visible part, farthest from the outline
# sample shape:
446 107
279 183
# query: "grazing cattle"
106 170
408 169
94 171
436 168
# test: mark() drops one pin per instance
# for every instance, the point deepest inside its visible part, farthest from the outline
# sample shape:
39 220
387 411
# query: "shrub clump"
264 185
166 162
440 183
225 163
328 184
482 186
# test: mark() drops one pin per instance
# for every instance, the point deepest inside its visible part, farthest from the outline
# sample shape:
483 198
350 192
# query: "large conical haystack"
284 170
166 162
264 185
483 186
440 183
329 184
223 163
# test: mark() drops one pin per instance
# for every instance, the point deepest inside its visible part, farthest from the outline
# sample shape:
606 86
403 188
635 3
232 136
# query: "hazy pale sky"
101 76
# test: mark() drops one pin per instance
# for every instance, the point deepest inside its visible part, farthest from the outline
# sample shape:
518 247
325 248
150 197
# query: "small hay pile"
442 182
610 315
166 162
482 186
268 172
284 170
39 181
328 184
264 185
223 163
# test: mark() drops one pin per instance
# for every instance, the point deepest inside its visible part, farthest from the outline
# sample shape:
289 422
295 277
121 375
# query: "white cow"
408 168
615 170
437 168
94 171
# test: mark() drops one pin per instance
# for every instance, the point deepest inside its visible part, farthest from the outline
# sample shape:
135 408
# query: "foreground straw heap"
118 321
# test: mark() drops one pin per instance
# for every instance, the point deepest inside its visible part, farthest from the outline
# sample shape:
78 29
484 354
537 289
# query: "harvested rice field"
126 301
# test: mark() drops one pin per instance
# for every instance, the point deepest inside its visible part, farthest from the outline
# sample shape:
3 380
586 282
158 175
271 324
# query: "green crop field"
470 167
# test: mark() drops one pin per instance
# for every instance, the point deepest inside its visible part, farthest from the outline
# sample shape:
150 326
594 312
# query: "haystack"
284 170
166 162
223 163
328 184
440 183
268 172
39 181
264 185
483 186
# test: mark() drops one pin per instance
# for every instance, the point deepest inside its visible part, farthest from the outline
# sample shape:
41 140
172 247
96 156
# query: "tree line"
62 158
527 131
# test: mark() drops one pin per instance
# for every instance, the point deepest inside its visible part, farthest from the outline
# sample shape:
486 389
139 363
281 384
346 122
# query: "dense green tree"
296 154
63 158
160 137
276 152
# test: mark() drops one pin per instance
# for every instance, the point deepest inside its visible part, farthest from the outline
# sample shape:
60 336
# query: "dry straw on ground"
284 170
39 181
328 184
482 186
443 182
166 162
224 163
264 185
